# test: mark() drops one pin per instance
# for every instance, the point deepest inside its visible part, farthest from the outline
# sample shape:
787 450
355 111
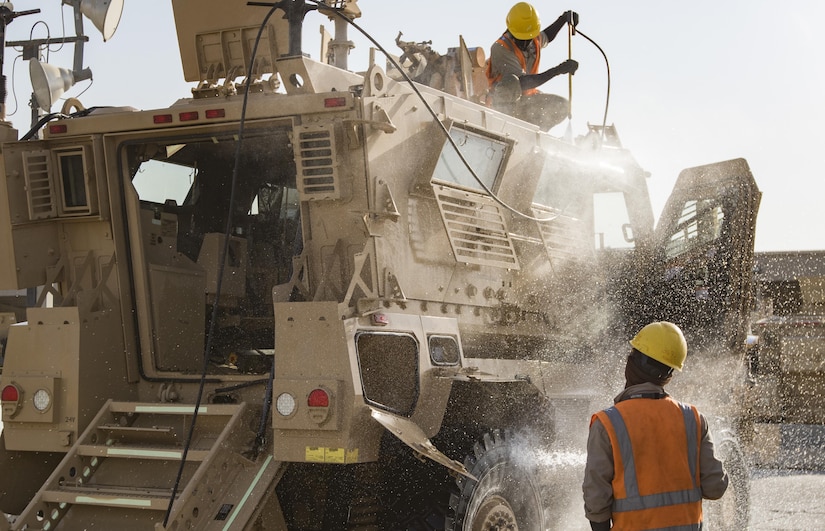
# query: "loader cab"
700 274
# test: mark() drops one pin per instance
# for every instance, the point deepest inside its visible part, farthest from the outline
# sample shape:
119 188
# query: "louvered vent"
476 228
39 191
315 161
564 236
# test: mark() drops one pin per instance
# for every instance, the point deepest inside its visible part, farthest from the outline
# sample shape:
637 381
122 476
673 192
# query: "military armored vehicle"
308 298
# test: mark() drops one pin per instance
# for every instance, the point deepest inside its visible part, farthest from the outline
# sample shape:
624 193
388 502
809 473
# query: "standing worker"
513 68
650 459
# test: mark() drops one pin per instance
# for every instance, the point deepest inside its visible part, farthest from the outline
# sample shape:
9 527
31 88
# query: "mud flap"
410 434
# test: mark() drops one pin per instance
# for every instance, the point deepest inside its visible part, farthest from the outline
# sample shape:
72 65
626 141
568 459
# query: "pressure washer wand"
571 30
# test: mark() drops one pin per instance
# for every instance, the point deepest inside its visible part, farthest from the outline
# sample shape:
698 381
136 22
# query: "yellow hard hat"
523 21
662 341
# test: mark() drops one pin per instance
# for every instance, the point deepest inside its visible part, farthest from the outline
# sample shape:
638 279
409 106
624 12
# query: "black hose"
607 64
224 253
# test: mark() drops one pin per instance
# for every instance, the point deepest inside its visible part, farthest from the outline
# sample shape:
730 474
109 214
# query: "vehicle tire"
732 511
506 495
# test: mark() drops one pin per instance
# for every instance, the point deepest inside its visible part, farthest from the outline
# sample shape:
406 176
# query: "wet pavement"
787 500
781 500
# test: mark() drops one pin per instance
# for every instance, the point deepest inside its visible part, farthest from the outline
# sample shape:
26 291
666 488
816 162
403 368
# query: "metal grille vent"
39 191
476 228
564 237
315 161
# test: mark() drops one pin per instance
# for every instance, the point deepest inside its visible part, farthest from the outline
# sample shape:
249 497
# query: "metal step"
154 499
125 464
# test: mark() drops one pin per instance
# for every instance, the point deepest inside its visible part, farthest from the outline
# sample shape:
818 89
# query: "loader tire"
507 494
732 511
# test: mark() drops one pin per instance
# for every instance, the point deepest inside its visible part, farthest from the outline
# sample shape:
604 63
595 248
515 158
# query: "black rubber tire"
732 511
507 495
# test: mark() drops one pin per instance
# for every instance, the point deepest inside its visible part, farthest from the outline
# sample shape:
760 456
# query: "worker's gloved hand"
600 526
567 67
571 17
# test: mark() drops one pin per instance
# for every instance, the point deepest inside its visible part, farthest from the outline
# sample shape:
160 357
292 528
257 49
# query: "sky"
691 83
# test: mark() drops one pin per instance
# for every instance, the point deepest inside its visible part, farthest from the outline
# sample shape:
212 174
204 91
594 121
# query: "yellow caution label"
315 454
335 455
320 454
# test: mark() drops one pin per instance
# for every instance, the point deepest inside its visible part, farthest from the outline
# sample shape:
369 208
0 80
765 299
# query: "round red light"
10 394
318 398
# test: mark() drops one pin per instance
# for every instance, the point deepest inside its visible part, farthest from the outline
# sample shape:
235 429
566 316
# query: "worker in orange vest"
650 459
513 67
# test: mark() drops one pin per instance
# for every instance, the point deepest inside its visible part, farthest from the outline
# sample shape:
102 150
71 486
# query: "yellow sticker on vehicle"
320 454
315 454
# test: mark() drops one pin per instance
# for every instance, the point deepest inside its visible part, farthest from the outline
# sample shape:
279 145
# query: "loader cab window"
486 155
699 224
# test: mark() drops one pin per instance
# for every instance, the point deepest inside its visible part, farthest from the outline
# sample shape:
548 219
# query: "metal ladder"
121 471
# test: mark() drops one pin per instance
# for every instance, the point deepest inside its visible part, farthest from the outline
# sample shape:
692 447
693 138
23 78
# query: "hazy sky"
691 82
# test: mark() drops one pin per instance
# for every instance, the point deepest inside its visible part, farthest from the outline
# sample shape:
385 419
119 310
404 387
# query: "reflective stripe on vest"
507 42
629 480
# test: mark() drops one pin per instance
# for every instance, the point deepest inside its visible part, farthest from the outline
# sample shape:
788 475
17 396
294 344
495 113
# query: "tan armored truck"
311 299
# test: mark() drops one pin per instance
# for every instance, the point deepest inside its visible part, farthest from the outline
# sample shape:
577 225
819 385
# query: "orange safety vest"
656 444
506 41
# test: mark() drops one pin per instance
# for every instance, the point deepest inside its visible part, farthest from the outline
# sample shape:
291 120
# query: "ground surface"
781 500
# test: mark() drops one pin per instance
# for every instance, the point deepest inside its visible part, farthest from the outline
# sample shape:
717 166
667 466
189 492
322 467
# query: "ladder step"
155 500
140 452
152 430
172 409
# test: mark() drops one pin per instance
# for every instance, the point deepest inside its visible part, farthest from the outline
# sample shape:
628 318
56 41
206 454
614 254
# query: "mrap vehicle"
307 298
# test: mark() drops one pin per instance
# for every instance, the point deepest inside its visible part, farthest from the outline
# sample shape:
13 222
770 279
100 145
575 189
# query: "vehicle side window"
443 350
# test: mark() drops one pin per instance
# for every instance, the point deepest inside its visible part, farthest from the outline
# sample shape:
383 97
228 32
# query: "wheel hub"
495 514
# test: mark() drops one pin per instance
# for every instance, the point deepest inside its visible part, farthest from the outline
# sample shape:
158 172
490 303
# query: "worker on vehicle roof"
650 459
513 68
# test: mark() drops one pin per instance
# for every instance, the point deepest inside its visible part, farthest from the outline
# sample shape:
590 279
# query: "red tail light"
11 394
318 398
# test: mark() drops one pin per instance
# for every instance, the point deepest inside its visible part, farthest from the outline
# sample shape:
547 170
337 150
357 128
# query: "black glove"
567 67
600 526
571 17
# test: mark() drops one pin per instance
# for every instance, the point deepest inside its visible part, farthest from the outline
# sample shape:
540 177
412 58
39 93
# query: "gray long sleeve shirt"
598 472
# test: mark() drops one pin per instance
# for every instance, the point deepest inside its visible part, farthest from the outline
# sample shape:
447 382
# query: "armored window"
158 181
484 154
443 350
73 180
73 183
389 370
